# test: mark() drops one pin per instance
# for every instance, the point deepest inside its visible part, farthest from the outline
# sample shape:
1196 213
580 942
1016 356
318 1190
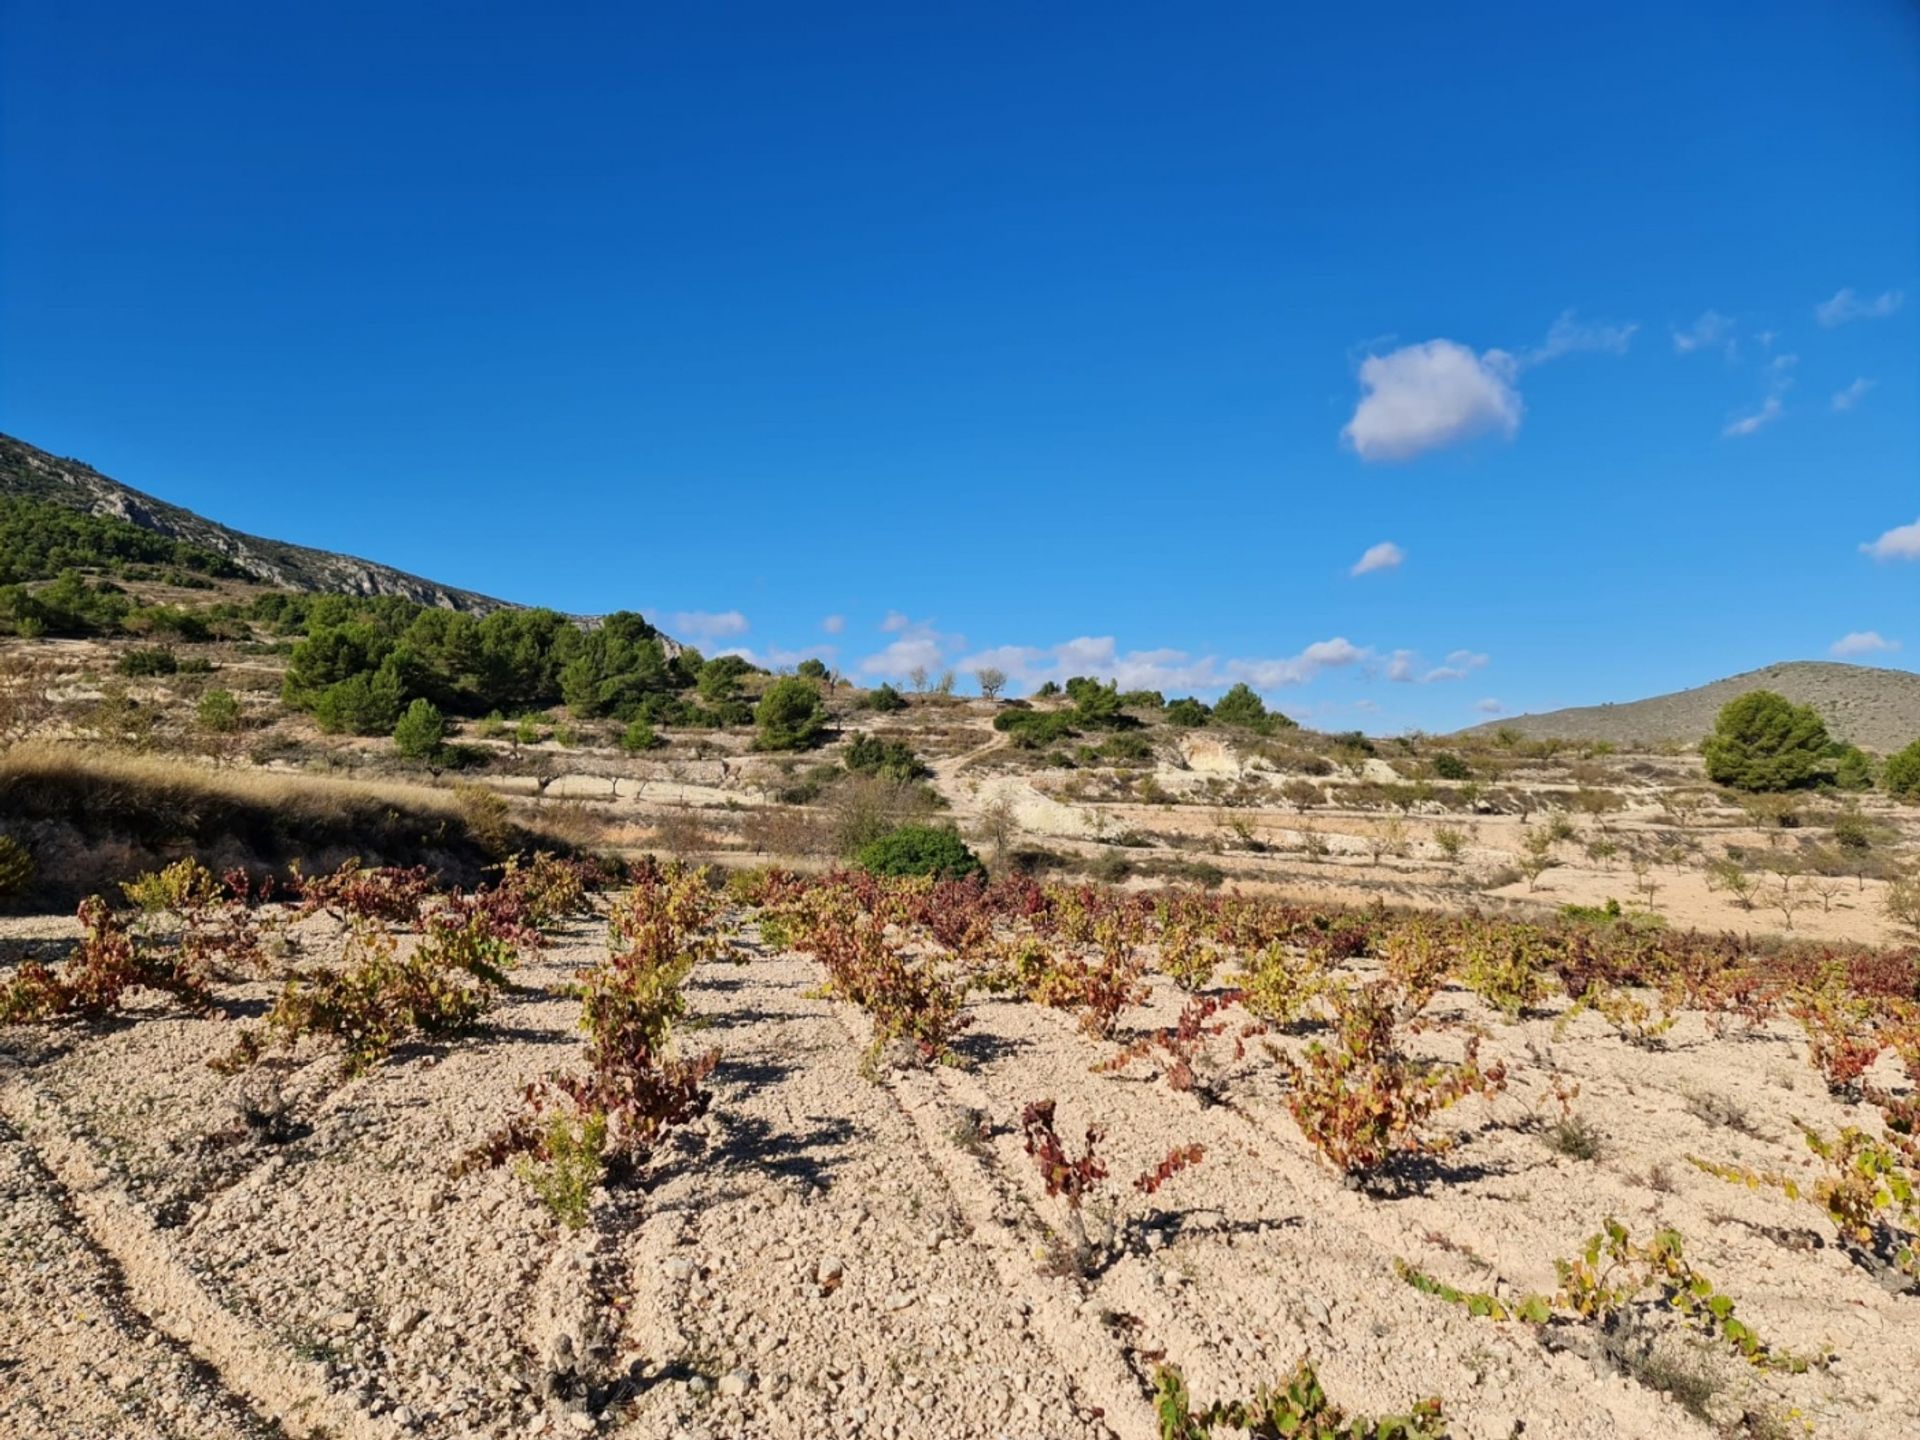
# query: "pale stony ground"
828 1254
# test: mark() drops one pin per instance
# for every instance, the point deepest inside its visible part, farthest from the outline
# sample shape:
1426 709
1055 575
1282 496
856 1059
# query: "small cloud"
1567 335
834 624
1709 330
1384 556
1900 543
1424 397
704 625
1862 642
1846 306
1404 667
1769 411
917 646
1489 706
1851 396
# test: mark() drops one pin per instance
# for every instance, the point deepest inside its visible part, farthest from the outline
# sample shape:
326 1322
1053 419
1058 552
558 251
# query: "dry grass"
93 817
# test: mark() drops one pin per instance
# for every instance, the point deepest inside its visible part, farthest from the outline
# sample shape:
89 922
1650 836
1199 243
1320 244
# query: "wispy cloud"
1489 706
1569 335
1384 556
834 624
704 626
1851 396
1167 670
1404 667
1709 330
1779 373
1900 543
1846 306
1862 642
1770 410
1424 397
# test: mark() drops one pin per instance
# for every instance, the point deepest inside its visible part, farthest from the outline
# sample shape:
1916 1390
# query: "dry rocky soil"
843 1250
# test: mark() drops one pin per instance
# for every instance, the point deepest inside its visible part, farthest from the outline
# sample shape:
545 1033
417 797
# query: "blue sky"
1086 338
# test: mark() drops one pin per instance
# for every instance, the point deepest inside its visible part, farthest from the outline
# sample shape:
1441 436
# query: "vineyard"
676 1154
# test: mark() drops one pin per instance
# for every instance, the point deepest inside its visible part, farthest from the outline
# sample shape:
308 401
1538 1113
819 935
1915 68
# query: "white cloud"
1384 556
1862 642
834 624
1846 306
1769 411
776 658
1422 397
1489 706
1900 543
704 625
1404 667
1567 335
1167 670
1851 396
1710 329
917 645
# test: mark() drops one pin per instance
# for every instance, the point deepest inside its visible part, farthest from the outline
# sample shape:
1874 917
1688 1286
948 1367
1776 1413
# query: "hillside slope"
35 474
1876 709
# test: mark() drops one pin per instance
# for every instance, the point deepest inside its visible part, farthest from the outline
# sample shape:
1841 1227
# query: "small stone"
898 1300
736 1383
679 1269
404 1320
343 1320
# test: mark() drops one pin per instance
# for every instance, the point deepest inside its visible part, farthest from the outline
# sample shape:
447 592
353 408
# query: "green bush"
148 660
1187 713
1449 766
1902 775
420 732
218 713
638 736
869 755
883 699
919 850
1763 742
789 716
1035 729
1852 768
1241 707
1095 704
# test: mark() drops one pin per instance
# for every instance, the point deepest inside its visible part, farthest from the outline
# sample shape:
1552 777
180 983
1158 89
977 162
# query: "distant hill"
1876 709
35 475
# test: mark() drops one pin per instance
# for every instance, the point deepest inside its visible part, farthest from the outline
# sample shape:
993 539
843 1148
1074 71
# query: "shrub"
377 998
894 759
920 850
883 700
1034 729
1362 1102
1187 713
789 716
1852 769
638 736
16 867
1902 774
147 660
420 732
1764 742
218 713
1300 1408
1448 766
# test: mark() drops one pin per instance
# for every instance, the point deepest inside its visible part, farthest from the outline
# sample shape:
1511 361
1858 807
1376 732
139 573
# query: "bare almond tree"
991 681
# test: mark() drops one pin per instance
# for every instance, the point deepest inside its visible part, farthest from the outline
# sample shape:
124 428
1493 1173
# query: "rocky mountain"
35 474
1876 709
